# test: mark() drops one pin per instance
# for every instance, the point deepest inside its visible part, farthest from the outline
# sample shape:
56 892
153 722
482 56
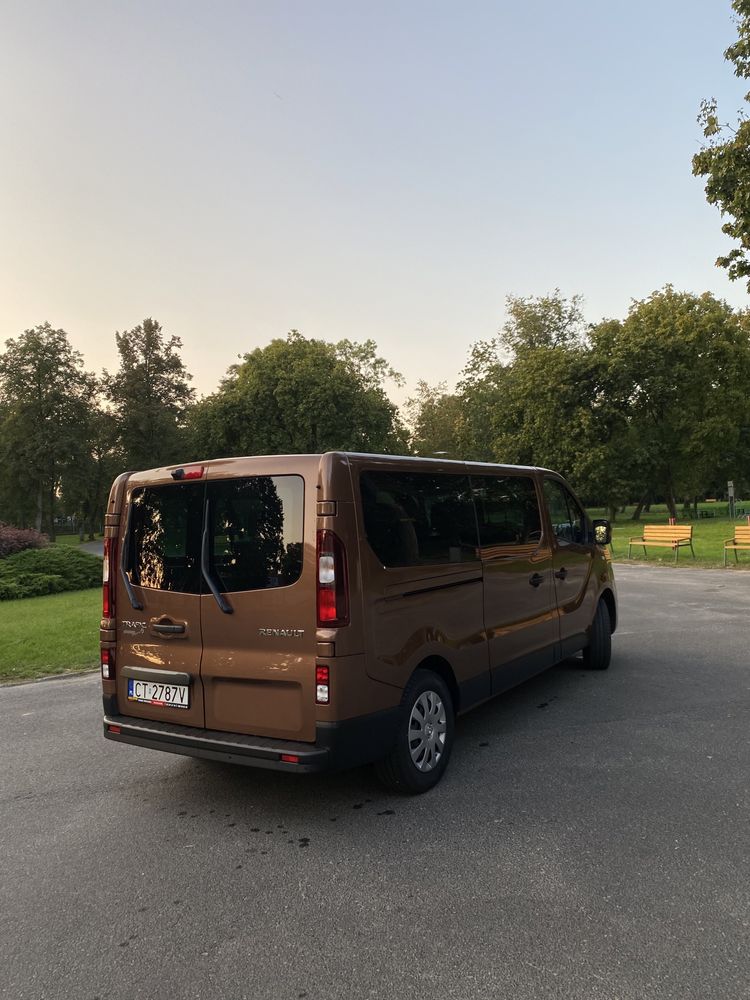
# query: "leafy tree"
85 484
522 390
300 396
680 363
546 321
724 159
435 417
150 394
45 398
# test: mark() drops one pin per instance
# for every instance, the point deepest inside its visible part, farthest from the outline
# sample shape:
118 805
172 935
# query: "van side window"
415 518
165 537
256 531
569 522
507 510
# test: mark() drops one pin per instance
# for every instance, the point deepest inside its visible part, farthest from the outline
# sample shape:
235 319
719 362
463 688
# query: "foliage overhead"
46 397
298 396
724 159
149 394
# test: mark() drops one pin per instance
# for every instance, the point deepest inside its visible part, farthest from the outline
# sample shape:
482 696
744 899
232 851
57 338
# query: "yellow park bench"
671 536
741 540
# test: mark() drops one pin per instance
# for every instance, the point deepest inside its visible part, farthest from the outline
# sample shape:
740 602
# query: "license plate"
164 695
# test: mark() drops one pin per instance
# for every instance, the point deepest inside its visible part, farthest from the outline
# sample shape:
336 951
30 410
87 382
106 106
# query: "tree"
45 398
85 484
435 417
523 390
150 394
680 365
300 396
724 159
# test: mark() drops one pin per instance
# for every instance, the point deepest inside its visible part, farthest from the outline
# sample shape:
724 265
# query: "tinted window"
416 518
507 510
257 531
569 521
165 537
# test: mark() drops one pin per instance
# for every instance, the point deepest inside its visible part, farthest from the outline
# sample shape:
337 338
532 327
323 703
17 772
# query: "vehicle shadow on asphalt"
227 788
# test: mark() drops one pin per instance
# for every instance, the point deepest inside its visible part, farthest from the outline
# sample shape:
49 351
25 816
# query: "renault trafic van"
307 612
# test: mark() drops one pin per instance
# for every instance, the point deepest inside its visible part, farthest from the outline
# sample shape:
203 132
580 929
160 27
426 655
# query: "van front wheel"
597 654
425 736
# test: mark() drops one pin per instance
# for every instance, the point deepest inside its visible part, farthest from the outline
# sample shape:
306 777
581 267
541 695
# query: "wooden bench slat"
666 536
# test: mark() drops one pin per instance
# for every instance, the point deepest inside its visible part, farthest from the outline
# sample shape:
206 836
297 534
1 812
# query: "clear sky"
385 169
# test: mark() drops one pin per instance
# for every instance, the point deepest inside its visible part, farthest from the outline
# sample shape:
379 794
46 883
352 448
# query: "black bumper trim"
338 744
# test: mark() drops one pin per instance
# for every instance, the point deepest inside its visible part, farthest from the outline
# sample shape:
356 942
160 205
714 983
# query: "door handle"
561 573
169 628
536 579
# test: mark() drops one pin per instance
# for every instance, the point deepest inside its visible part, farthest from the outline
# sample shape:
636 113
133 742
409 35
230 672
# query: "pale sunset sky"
364 170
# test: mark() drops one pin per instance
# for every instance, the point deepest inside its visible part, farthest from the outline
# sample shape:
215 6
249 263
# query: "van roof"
432 460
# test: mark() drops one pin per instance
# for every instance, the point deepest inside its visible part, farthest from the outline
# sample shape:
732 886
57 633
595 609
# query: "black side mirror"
602 531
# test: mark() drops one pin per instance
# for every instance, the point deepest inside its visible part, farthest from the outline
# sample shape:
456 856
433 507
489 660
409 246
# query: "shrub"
50 570
17 539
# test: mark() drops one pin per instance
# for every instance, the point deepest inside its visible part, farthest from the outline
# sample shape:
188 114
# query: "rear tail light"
108 664
108 579
290 758
322 685
333 584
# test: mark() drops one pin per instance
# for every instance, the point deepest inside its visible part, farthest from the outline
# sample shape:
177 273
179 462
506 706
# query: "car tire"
426 731
597 654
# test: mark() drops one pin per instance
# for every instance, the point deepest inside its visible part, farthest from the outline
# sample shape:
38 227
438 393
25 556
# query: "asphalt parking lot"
591 839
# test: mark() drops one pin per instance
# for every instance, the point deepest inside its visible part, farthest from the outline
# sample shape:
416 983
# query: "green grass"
709 535
74 539
49 635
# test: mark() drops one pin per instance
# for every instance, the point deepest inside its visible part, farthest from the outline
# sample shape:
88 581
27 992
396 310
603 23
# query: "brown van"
307 612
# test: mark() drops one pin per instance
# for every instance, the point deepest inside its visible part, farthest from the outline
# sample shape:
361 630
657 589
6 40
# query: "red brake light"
332 581
108 578
108 664
322 685
290 758
192 472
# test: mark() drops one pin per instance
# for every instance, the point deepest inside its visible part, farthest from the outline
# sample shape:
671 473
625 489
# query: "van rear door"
158 653
259 623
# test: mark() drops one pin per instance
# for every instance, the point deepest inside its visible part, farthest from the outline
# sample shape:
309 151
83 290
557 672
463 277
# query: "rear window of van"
255 533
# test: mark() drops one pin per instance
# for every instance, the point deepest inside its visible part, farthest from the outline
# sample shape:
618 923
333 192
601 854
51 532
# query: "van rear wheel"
597 654
424 742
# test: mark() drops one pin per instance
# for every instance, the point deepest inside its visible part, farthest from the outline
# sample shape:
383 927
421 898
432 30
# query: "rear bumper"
337 745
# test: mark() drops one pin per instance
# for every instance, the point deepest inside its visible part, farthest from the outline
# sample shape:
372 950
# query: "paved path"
95 548
590 840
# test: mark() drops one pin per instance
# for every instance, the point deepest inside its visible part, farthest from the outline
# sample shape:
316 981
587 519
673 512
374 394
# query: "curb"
85 672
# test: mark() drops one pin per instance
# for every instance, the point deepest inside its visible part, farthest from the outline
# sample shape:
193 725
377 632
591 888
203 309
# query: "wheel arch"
440 666
611 604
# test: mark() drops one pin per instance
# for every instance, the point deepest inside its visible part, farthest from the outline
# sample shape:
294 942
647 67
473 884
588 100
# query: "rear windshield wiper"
223 603
125 567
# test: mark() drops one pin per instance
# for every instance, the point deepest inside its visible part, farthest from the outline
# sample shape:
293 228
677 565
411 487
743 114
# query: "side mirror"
602 531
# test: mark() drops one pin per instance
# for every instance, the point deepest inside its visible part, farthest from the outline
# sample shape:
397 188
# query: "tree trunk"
671 505
639 508
38 518
52 515
612 512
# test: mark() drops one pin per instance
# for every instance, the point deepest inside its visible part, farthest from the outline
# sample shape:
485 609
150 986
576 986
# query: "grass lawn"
709 535
74 539
50 635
